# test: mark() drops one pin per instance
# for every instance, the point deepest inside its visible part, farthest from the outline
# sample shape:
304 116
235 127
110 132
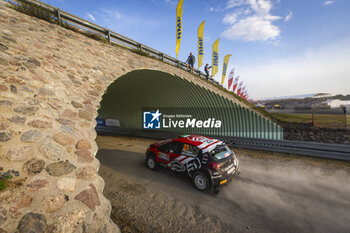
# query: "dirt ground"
274 193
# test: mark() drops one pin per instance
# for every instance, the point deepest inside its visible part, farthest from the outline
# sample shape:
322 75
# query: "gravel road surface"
274 193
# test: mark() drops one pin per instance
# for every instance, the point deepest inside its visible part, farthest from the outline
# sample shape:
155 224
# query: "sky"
278 47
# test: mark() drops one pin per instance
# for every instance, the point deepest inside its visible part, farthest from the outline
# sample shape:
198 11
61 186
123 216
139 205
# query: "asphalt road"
273 193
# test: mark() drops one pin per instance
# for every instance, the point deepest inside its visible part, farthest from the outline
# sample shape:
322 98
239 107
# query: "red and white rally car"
209 162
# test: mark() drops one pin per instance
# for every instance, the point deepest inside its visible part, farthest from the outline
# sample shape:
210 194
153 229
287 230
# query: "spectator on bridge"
206 69
190 62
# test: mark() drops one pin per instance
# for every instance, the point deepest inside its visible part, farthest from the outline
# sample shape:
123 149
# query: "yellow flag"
200 44
215 58
178 26
224 68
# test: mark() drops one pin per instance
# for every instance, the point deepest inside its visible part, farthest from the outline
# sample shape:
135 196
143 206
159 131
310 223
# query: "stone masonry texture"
51 83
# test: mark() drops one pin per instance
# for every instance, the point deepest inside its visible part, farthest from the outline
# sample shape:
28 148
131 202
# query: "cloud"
251 20
289 16
315 70
230 18
252 29
112 13
171 2
326 3
116 15
90 16
215 9
234 3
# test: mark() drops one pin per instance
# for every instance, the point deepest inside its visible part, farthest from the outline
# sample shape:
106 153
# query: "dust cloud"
293 196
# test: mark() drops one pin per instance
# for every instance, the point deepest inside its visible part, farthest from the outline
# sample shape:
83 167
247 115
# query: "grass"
69 27
321 120
3 181
142 53
33 10
94 36
293 118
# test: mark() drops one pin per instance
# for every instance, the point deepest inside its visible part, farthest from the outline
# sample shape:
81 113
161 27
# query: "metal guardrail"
112 37
315 149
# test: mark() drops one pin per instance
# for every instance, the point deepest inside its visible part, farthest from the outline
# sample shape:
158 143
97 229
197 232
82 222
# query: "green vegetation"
33 10
69 27
94 36
321 120
142 53
293 118
3 181
341 97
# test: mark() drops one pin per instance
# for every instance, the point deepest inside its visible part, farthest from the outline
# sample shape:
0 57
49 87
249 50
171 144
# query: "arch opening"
131 96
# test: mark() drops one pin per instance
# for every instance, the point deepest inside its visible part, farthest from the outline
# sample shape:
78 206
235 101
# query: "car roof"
201 142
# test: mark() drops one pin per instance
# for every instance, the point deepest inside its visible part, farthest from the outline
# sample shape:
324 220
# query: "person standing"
190 62
347 123
206 69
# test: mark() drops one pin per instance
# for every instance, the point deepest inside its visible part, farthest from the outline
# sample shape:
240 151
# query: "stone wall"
51 83
305 132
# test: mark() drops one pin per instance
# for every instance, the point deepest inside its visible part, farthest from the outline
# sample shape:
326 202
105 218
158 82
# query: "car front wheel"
201 181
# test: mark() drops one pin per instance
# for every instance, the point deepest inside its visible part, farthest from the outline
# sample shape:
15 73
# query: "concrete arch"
52 81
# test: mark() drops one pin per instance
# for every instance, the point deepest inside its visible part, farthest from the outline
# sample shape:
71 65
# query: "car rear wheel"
151 162
201 181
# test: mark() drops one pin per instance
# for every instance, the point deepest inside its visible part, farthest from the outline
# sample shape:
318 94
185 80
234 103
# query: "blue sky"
278 47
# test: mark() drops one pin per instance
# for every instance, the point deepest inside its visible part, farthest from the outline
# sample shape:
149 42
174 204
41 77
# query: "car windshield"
221 152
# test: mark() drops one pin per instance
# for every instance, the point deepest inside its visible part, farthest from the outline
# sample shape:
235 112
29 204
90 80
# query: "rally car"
209 162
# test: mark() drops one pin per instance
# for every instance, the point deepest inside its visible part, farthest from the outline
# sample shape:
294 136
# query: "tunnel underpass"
149 90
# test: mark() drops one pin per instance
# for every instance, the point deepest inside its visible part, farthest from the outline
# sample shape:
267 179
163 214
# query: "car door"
164 153
190 158
175 157
175 152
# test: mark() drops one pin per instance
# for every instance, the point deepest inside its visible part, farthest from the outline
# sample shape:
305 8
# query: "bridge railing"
113 38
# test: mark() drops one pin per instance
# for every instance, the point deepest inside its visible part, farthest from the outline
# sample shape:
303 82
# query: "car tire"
151 162
201 181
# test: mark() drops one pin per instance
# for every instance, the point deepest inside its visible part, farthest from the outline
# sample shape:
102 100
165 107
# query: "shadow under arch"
128 96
